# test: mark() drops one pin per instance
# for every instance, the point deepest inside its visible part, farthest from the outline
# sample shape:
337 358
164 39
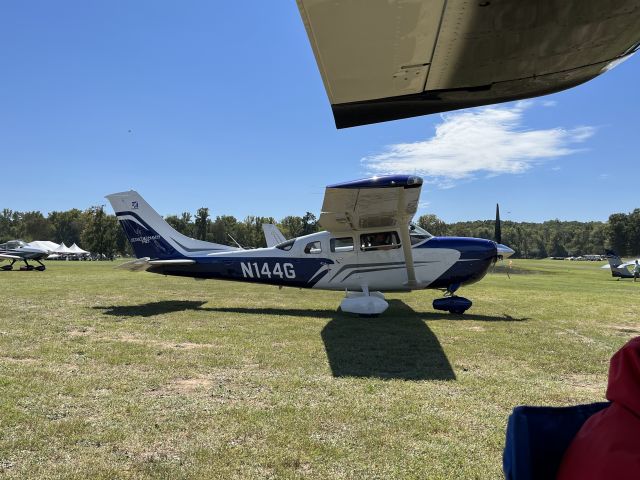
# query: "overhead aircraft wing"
388 59
380 202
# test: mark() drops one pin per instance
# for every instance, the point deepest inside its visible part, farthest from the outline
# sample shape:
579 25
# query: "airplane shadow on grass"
397 345
152 308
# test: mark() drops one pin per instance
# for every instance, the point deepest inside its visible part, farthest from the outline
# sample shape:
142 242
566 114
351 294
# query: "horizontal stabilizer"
143 264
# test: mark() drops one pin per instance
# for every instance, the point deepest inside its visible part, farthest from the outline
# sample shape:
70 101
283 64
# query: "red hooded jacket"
608 444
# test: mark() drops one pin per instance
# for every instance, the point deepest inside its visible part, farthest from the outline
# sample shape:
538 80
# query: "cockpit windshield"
12 245
418 234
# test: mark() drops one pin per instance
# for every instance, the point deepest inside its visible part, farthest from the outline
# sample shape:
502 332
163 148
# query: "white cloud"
489 141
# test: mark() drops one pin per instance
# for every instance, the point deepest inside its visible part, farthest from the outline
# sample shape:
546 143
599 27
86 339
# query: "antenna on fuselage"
234 241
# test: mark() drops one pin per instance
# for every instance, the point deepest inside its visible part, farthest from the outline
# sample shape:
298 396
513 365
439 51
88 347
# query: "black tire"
457 312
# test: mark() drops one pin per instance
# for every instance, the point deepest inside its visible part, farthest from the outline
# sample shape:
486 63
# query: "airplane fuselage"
314 261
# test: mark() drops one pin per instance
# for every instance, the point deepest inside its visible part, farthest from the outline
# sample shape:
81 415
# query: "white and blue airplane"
369 246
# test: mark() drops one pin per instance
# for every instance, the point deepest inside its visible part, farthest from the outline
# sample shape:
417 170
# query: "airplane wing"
380 202
6 256
272 235
383 60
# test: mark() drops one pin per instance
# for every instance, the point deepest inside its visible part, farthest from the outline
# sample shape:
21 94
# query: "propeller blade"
497 234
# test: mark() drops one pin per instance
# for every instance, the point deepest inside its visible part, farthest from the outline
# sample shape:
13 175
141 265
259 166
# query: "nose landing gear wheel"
455 305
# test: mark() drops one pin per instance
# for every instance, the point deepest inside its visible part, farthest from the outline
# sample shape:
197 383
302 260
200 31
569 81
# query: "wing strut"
406 240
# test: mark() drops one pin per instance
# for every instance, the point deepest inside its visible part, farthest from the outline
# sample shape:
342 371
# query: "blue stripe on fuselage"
289 272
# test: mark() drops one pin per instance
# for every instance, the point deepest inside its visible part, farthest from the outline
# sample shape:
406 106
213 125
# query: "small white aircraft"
369 246
619 269
17 250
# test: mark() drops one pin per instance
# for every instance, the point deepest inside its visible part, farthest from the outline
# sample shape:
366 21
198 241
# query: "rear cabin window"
313 247
343 244
379 241
286 246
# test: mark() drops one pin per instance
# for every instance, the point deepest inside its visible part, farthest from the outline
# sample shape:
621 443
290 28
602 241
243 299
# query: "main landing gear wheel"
8 267
365 304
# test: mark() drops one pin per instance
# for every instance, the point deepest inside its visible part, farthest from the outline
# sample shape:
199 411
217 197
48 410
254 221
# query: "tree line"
553 238
97 231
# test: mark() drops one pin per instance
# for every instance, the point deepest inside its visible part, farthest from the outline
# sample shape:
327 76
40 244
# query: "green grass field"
112 374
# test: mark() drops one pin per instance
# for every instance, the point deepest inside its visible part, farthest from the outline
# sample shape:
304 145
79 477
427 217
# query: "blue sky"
221 105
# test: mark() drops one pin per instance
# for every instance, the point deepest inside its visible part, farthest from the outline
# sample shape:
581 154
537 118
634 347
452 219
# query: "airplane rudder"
137 220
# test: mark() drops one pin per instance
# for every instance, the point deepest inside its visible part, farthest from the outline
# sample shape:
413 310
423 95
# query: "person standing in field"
636 271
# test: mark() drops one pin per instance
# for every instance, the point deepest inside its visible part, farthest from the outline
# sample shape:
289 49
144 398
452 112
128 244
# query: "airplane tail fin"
615 263
150 236
272 235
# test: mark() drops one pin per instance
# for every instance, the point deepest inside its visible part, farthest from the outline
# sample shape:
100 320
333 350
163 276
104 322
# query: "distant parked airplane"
618 267
15 250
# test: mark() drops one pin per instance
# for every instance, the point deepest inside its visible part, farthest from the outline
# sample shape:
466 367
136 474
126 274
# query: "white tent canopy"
63 250
45 245
77 250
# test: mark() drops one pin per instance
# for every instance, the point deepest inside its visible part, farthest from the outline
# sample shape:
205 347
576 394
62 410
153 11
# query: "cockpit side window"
379 241
286 246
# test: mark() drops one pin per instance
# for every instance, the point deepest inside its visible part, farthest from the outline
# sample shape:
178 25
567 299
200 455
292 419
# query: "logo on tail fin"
144 240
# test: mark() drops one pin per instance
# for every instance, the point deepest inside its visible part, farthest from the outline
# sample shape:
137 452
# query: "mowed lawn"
111 374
